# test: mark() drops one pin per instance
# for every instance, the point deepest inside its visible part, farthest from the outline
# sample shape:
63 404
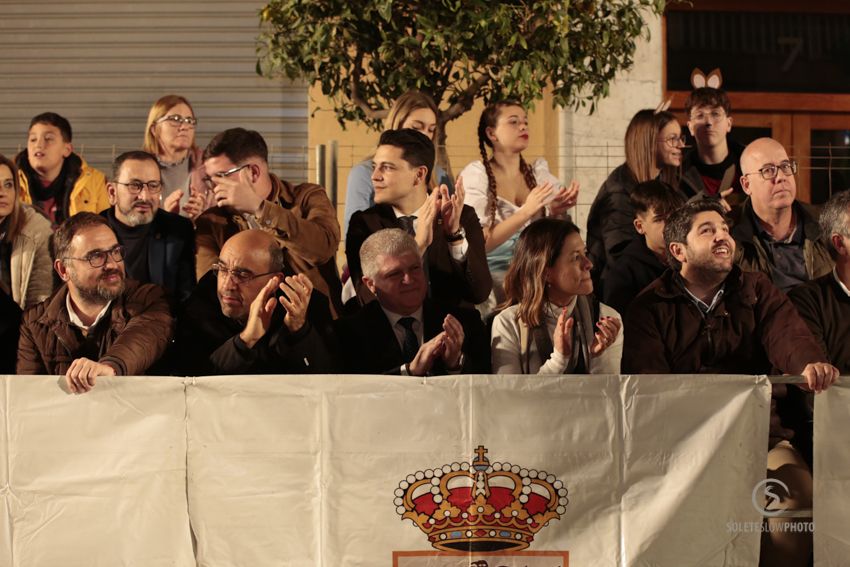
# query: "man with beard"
707 316
776 234
250 314
159 247
96 324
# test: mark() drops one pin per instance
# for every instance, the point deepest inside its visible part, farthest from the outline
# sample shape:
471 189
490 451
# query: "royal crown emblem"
481 506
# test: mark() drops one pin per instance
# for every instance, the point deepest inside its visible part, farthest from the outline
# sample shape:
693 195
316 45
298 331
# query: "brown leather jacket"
300 217
133 336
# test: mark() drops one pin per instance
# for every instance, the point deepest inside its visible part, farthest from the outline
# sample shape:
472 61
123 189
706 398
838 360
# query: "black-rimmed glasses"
135 187
770 170
98 258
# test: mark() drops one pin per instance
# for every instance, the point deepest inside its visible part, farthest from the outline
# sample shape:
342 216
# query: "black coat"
628 275
366 343
450 283
208 341
171 253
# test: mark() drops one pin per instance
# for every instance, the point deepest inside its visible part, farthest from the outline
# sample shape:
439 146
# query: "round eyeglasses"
98 258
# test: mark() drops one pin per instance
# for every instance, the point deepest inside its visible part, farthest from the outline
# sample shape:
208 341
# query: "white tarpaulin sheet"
832 477
310 471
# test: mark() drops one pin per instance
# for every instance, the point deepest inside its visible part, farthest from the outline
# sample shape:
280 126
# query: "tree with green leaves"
365 54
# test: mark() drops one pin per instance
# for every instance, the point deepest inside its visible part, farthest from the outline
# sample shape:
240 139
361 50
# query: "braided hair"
489 118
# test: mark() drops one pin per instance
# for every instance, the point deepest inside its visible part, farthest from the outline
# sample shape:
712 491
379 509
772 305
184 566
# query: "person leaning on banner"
403 331
97 323
247 317
248 196
776 234
824 303
708 316
550 322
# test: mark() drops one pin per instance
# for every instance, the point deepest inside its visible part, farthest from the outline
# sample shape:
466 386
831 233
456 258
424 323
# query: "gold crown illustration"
480 506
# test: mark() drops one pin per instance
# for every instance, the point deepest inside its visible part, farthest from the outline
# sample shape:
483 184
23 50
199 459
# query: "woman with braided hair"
506 191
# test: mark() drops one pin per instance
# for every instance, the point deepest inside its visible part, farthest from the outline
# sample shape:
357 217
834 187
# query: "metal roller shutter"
101 64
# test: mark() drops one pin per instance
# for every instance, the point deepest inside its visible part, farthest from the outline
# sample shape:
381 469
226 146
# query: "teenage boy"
54 179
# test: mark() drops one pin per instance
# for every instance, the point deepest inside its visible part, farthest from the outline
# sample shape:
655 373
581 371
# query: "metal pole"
332 174
320 164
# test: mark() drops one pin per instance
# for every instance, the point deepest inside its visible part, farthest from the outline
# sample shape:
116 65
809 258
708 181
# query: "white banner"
832 477
368 470
95 480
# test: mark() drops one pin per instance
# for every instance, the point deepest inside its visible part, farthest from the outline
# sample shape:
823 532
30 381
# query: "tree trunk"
442 154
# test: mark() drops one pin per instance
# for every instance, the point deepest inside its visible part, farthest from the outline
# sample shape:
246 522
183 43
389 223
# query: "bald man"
250 314
776 234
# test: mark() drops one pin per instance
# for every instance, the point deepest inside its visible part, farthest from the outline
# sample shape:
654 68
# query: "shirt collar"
394 317
840 283
75 319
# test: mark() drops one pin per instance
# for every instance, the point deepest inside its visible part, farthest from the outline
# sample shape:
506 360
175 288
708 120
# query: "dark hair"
707 96
537 249
56 120
489 119
134 155
70 227
417 149
834 219
656 195
238 144
680 222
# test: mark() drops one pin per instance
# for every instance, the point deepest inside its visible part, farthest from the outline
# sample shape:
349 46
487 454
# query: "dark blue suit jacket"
171 253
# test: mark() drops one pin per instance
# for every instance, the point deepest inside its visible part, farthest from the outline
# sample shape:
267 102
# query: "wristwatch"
456 237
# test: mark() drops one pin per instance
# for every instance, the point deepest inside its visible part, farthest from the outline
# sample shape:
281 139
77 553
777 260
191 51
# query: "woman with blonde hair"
506 191
170 136
413 109
550 322
26 268
653 147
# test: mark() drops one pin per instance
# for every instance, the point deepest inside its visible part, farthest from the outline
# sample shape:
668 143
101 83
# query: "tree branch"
465 100
354 85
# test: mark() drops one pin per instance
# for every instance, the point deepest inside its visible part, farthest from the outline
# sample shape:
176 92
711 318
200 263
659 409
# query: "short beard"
99 294
135 218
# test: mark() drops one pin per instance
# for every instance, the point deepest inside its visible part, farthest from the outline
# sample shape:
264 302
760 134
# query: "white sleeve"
542 173
506 350
609 361
504 343
475 187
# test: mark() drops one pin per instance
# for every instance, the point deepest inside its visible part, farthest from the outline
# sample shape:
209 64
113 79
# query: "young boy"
712 168
54 179
644 260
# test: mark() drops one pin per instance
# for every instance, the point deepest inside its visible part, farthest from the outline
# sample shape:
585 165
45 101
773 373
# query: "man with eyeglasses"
776 234
251 315
159 246
711 168
98 323
248 196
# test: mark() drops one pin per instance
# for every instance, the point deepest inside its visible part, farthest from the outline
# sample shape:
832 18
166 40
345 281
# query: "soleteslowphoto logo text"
767 497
